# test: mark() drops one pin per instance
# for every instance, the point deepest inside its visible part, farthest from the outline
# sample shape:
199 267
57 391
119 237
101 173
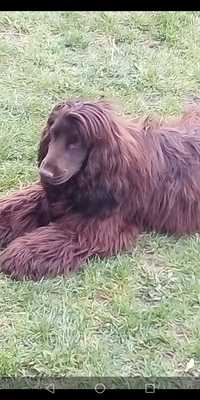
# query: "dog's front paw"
17 261
28 257
45 252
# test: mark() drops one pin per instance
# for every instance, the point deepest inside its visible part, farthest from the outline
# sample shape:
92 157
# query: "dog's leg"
61 248
21 212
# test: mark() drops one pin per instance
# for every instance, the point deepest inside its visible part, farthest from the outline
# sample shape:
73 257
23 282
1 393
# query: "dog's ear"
101 178
45 137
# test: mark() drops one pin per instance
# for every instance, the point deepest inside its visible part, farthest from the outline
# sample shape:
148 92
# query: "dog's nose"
45 173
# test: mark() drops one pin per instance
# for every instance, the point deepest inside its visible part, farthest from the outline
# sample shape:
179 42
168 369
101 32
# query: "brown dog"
103 180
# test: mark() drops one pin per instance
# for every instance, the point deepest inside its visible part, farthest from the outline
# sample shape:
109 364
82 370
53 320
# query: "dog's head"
73 131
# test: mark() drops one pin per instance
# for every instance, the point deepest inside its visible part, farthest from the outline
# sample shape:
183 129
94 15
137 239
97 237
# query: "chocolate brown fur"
137 176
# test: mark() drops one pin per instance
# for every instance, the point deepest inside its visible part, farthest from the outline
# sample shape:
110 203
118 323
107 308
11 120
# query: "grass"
137 314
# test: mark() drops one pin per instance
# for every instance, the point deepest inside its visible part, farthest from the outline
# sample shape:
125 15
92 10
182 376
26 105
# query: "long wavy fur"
139 175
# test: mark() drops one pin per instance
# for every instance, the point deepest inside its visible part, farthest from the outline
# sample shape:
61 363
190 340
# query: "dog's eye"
73 142
73 145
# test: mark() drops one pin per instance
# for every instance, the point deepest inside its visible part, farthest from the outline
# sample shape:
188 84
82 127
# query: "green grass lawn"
139 313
